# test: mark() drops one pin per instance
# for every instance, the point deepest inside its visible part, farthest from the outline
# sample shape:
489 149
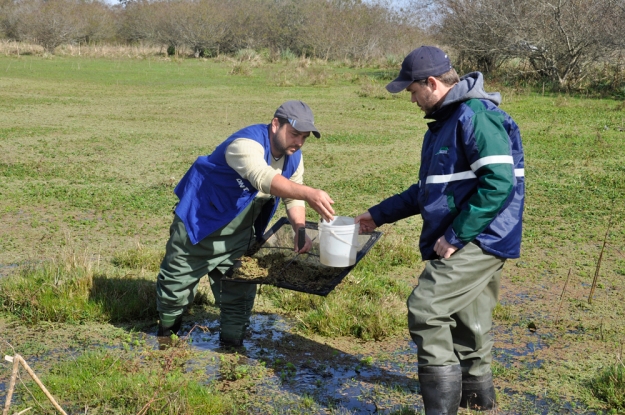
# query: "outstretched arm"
319 200
247 158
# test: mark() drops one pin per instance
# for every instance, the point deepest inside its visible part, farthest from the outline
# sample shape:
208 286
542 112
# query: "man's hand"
307 245
366 222
321 202
297 218
444 249
317 199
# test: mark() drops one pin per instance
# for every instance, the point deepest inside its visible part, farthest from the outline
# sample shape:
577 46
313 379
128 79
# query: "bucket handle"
343 240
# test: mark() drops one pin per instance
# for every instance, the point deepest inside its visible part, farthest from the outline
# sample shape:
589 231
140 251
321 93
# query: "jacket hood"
470 86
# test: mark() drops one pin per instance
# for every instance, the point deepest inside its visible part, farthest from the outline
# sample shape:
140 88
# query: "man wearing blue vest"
470 195
227 199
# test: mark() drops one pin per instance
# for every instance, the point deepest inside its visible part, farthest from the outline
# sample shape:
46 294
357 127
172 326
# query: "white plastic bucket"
338 242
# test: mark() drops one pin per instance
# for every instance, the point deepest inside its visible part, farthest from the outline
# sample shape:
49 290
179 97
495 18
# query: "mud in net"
267 262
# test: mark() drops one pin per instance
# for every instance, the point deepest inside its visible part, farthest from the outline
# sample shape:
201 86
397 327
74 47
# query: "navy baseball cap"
299 115
420 64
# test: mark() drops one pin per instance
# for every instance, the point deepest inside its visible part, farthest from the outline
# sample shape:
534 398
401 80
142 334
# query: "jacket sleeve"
247 157
297 177
488 151
396 207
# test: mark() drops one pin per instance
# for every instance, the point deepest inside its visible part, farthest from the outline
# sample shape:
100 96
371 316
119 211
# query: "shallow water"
7 269
337 376
375 381
380 378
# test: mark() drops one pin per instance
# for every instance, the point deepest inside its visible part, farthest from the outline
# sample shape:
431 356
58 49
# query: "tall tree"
558 38
51 23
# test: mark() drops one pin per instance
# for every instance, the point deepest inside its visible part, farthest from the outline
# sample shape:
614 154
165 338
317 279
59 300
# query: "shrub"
241 68
246 54
287 55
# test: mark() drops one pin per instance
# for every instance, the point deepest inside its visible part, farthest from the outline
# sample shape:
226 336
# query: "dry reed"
139 51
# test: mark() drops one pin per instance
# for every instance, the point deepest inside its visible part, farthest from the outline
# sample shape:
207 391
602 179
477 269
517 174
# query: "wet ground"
350 377
288 373
381 378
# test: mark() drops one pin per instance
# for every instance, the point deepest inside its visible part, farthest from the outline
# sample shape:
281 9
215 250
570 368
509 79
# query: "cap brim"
398 85
304 127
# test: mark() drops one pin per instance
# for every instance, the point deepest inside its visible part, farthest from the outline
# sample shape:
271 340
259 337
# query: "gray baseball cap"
299 115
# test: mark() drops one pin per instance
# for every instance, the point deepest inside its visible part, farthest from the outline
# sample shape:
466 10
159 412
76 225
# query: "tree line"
328 29
570 43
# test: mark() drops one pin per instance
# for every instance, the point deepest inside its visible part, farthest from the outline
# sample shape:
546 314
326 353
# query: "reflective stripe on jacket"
471 181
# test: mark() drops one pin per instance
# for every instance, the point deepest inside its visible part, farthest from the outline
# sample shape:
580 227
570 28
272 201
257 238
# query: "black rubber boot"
228 342
478 392
168 331
441 388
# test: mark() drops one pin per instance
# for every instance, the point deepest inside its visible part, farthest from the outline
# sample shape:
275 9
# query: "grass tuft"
372 316
72 292
362 309
609 386
241 68
367 305
135 51
303 73
502 312
140 258
389 252
369 88
287 55
151 383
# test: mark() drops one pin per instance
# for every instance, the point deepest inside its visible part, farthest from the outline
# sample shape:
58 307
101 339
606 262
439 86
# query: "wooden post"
17 359
562 296
605 240
7 403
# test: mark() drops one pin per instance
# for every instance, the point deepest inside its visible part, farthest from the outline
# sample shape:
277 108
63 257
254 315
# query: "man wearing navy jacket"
227 199
470 195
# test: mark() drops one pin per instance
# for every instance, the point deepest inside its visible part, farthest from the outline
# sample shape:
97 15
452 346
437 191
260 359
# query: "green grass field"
90 150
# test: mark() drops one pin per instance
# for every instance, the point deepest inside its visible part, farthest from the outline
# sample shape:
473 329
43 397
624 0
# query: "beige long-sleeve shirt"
247 157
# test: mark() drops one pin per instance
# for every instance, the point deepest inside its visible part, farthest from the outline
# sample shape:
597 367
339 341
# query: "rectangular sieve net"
267 262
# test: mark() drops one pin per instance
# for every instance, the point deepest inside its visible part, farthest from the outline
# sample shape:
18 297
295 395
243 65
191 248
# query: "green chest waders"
184 264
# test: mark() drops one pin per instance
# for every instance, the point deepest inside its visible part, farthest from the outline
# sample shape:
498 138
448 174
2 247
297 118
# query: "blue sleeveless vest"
212 194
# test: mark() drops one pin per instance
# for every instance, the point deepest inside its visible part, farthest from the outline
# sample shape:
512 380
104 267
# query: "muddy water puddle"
369 378
517 345
287 373
347 376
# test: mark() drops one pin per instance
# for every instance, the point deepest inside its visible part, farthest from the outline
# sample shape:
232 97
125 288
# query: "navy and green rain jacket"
471 181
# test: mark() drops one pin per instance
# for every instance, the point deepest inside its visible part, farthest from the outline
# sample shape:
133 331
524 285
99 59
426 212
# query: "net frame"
280 237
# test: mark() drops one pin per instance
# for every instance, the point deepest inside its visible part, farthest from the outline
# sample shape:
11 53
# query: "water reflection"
381 380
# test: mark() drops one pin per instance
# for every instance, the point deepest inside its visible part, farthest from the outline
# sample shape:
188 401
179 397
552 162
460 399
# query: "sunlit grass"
367 305
72 289
609 386
141 258
127 382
